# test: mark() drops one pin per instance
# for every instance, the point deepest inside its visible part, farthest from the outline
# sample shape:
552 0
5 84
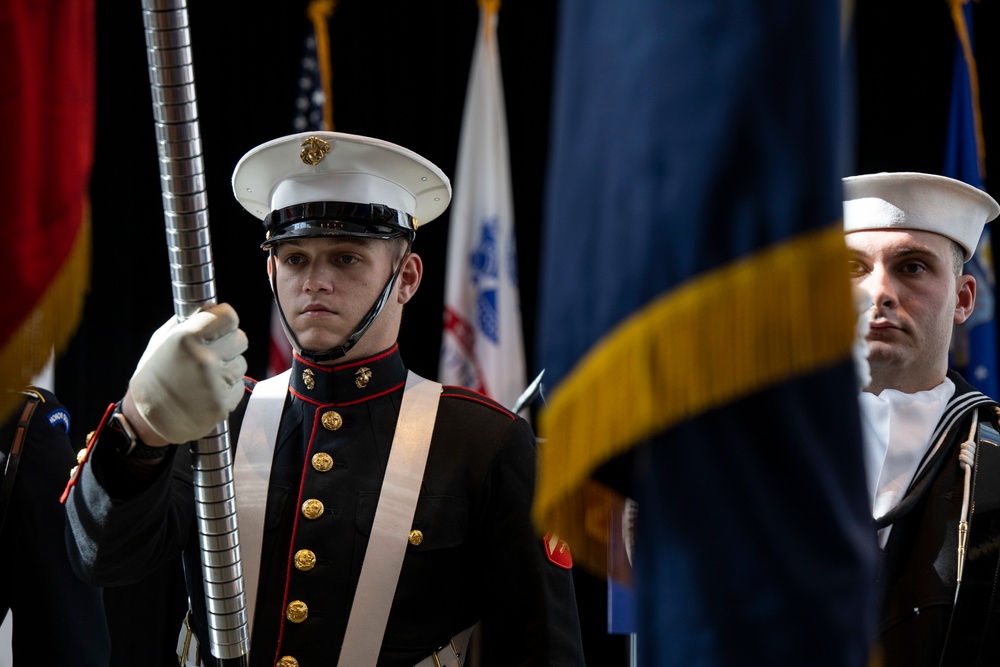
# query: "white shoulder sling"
393 515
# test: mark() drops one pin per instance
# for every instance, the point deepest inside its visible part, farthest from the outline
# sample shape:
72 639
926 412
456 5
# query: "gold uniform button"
297 611
332 420
416 537
80 455
312 509
322 462
287 661
72 472
305 560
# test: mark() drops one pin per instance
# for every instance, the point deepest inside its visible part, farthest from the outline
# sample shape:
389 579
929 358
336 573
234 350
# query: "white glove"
191 375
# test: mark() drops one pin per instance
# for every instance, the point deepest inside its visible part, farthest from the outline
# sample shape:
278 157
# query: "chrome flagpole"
192 275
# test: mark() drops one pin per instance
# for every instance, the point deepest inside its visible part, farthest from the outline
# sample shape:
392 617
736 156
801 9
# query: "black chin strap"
352 340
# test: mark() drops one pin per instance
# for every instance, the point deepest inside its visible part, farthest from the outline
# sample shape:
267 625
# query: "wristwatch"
129 444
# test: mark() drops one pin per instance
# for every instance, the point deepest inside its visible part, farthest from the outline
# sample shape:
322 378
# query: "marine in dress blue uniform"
472 554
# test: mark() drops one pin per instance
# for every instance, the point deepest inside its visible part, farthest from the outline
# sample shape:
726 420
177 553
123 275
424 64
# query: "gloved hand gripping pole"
185 210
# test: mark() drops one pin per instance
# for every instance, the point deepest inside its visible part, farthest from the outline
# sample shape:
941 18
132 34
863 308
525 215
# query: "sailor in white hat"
381 515
909 235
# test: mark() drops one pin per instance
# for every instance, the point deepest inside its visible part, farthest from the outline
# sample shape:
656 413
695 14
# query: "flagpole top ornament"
916 201
335 184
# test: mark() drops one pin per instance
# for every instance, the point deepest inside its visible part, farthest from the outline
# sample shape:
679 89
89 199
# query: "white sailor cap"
924 202
330 183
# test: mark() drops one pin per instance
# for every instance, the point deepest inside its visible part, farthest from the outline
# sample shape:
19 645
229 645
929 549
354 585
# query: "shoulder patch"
59 418
557 551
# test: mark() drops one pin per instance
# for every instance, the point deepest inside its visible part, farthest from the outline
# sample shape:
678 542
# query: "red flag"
48 100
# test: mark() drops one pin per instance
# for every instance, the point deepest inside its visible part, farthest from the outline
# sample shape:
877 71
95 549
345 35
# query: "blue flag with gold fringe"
974 345
695 325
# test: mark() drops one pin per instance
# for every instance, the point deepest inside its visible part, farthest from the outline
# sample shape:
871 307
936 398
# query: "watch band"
131 446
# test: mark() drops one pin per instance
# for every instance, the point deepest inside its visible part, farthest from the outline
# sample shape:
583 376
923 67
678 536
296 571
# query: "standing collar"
350 382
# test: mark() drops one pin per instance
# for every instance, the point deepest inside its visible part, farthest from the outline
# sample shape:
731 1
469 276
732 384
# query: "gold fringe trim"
49 327
783 312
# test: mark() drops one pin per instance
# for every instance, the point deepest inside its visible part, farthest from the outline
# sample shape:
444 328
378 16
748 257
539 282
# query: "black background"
399 73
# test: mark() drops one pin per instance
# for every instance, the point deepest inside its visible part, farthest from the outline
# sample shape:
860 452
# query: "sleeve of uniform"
121 526
530 614
39 585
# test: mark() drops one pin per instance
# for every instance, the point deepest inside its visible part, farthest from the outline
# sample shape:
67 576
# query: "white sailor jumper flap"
920 563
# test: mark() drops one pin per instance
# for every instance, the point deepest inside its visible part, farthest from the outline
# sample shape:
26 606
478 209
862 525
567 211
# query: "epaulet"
462 393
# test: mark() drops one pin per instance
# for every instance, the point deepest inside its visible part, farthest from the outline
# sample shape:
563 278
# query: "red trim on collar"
368 398
310 401
352 364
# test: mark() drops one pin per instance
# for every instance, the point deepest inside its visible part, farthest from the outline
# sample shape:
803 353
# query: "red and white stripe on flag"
482 344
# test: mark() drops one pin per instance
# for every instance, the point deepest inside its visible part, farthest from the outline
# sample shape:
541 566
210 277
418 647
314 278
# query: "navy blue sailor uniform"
473 554
917 579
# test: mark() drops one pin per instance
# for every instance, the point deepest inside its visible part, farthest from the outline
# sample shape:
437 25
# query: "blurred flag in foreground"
482 344
48 109
696 323
974 345
313 111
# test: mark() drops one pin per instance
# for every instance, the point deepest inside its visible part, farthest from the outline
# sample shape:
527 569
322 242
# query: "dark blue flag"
974 345
696 322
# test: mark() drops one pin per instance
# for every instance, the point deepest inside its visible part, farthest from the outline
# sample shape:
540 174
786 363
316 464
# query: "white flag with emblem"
482 345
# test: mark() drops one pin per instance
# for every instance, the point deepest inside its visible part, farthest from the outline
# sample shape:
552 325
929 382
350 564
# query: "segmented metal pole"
192 276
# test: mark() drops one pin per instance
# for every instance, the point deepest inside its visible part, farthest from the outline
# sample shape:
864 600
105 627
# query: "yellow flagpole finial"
319 13
491 6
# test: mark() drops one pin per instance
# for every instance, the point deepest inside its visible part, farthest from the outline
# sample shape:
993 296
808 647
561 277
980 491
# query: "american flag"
311 100
312 112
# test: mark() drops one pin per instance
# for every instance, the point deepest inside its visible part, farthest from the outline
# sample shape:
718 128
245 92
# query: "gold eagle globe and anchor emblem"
314 150
309 378
362 377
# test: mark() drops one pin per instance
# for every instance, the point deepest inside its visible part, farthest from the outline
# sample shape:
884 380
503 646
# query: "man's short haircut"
957 258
